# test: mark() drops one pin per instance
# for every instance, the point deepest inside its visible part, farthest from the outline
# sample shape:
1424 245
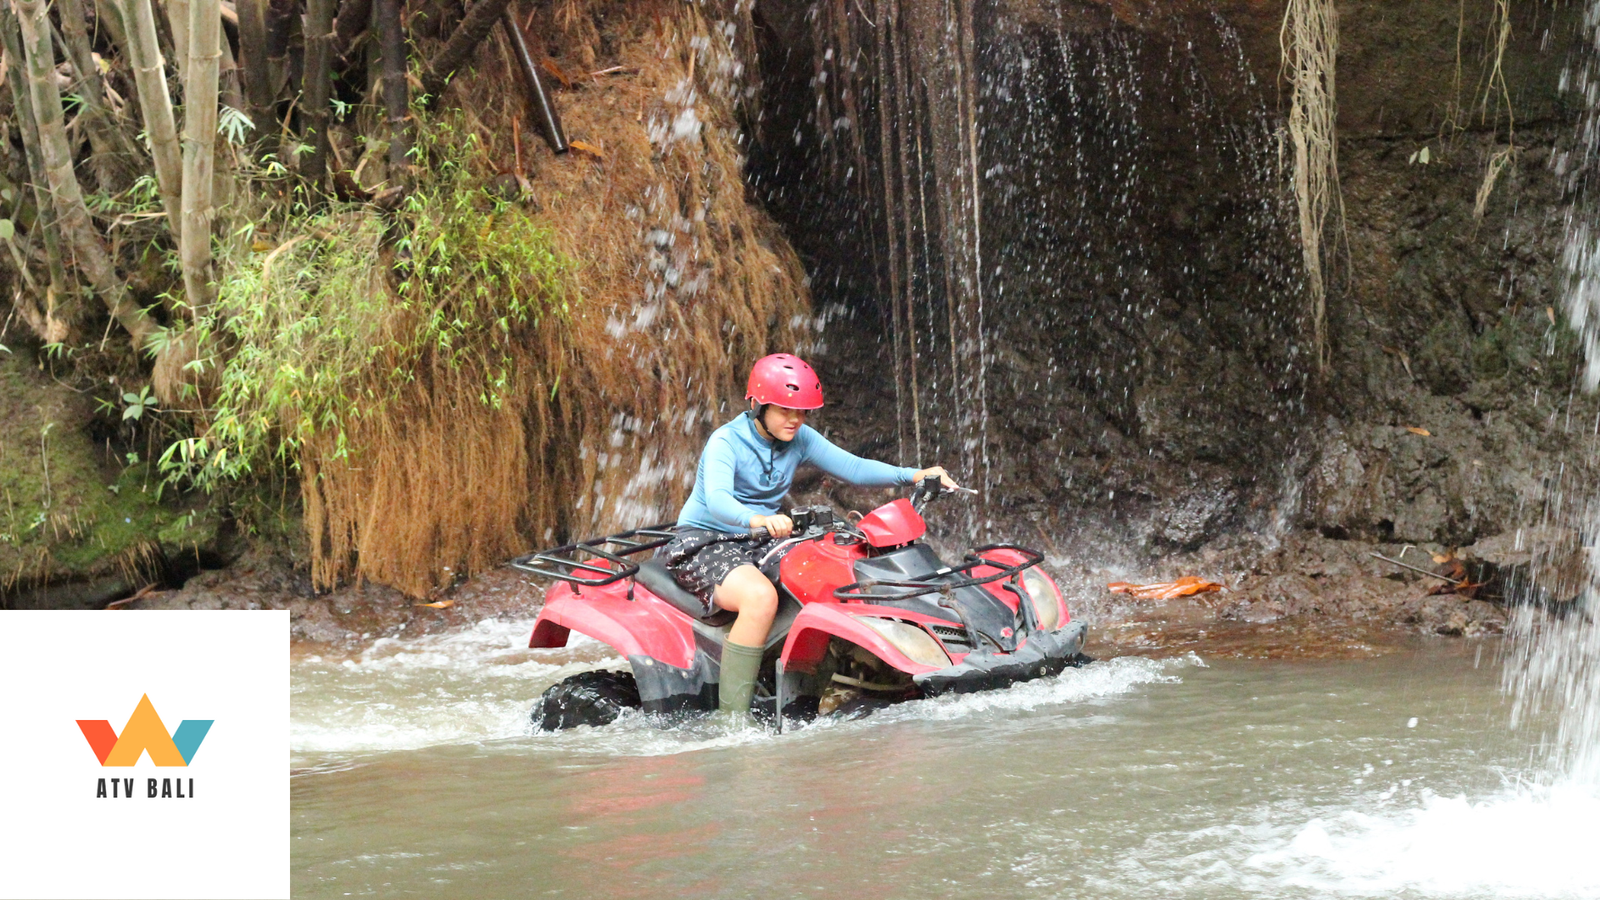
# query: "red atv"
867 615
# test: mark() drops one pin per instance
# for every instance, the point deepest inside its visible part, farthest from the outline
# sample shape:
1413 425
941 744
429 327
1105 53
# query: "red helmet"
786 380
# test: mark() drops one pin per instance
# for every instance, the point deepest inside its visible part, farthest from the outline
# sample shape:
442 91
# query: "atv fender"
819 623
643 626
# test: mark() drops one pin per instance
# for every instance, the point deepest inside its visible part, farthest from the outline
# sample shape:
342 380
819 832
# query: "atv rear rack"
948 580
579 563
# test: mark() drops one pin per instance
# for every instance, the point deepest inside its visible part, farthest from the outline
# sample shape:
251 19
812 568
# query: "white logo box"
230 839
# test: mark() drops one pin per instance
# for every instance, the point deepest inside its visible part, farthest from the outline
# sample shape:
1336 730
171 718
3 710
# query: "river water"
415 775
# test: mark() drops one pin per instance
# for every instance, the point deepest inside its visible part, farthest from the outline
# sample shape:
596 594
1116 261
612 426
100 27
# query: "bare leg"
748 592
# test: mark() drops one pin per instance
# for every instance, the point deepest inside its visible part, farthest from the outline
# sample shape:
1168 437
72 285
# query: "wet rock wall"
1149 376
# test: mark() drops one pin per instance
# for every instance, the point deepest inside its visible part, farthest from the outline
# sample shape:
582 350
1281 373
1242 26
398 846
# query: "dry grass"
679 285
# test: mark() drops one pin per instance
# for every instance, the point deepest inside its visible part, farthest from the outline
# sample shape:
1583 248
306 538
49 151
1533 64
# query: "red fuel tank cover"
893 524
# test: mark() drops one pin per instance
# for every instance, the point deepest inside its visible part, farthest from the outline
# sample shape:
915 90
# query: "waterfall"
1020 169
1553 664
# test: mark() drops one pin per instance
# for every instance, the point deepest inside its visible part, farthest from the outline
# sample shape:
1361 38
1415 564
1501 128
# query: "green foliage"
233 125
351 307
137 404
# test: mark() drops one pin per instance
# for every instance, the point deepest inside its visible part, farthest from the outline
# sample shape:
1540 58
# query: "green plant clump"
352 307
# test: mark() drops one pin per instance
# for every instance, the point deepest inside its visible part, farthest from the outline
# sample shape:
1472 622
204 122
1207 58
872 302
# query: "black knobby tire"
587 698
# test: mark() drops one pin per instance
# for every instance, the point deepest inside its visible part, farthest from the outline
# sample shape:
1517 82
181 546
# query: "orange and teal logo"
144 734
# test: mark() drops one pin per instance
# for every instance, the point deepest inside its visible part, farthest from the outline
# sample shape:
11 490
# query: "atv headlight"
916 644
1046 599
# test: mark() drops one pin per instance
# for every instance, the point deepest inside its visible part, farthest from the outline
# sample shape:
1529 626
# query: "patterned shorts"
700 563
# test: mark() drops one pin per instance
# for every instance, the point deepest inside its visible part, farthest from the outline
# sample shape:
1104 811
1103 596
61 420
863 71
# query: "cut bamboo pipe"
544 109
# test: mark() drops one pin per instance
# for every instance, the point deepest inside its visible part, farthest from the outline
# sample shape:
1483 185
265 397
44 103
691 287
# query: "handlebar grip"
759 533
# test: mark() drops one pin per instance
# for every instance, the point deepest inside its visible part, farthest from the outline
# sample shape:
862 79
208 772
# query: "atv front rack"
942 581
597 561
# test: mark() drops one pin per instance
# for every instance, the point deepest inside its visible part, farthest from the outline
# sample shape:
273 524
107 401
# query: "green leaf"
8 229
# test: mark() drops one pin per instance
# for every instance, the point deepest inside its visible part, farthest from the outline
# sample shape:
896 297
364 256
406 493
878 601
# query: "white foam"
477 685
1526 842
466 686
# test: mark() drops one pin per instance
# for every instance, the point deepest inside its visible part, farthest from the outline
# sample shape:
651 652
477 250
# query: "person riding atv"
745 471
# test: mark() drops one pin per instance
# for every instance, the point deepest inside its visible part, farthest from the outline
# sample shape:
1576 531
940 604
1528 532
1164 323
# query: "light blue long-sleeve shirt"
743 474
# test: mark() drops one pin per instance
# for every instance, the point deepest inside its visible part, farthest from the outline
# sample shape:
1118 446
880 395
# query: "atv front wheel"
587 698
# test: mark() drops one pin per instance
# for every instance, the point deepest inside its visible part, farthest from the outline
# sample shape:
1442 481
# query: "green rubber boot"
740 665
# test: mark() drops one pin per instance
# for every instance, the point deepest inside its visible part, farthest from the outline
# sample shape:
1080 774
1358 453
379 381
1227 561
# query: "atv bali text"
867 615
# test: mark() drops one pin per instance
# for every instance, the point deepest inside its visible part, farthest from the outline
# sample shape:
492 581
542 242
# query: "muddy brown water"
414 774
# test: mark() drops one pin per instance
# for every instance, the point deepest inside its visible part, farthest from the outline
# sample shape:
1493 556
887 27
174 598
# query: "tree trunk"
45 218
463 41
150 77
199 150
253 66
396 93
90 253
318 80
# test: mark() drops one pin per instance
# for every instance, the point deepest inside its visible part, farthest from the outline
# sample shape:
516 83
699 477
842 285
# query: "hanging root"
1497 164
1310 42
1500 27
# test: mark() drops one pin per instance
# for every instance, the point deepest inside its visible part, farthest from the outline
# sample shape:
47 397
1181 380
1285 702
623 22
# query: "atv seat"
658 580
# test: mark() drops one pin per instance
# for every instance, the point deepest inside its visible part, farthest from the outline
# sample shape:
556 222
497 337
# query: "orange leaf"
586 147
549 65
1422 431
1165 590
437 604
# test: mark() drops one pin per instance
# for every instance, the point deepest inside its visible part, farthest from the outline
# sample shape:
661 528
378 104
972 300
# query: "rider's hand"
779 526
945 480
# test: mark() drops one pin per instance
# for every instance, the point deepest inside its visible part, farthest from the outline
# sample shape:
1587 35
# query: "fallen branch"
1418 569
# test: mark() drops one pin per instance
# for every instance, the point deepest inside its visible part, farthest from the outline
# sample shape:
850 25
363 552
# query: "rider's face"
782 422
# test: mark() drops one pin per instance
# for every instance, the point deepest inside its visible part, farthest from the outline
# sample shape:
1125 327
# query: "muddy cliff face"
1150 375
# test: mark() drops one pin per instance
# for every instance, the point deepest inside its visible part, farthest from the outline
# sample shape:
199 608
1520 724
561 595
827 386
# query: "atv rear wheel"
587 698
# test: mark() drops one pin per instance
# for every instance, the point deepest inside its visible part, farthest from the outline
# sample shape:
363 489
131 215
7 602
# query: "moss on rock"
79 525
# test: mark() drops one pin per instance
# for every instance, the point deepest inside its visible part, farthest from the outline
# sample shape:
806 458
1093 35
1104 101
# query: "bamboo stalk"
230 86
22 103
105 137
199 150
150 77
459 48
253 67
90 253
315 90
178 24
109 17
396 93
280 26
354 18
